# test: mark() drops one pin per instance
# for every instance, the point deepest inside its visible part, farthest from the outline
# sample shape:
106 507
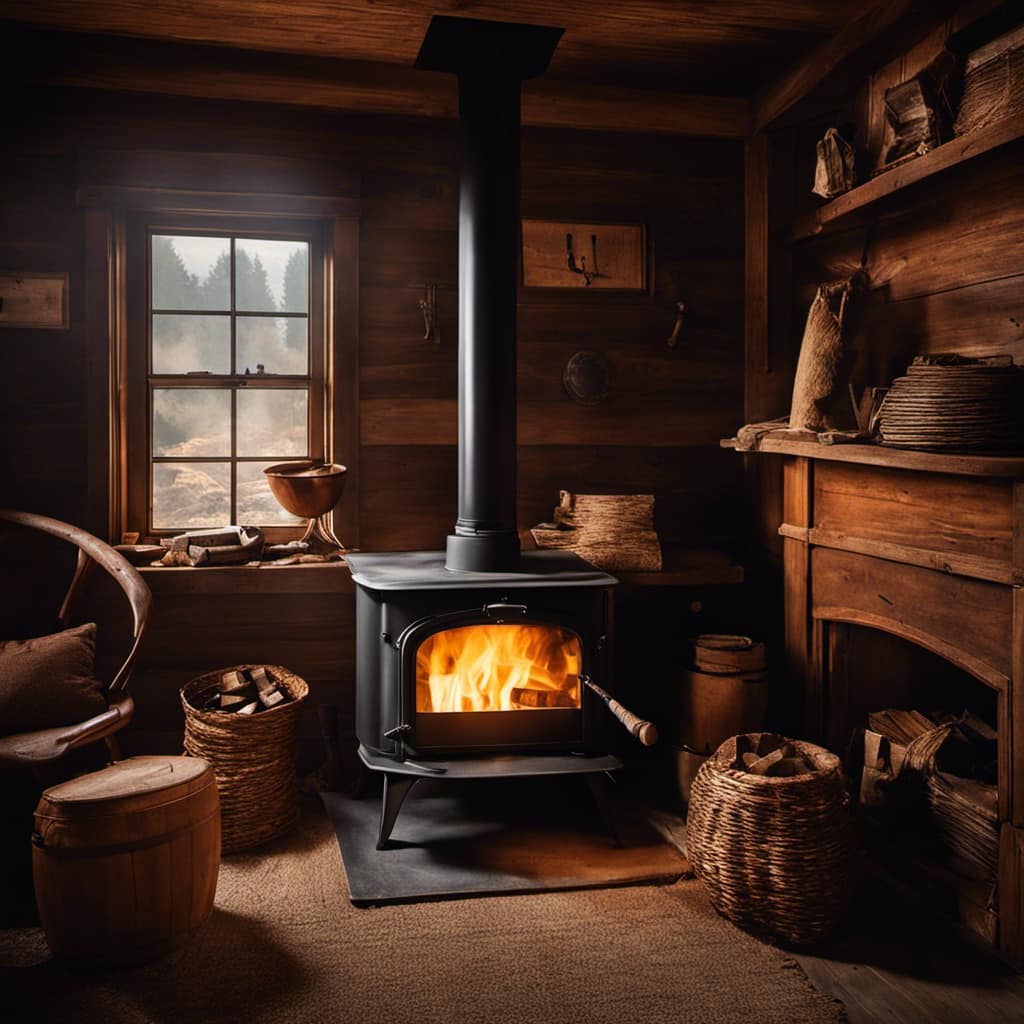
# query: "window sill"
252 578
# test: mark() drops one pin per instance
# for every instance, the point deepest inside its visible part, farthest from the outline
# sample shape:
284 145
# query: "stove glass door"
498 667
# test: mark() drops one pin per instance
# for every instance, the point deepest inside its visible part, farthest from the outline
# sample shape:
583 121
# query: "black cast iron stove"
412 613
472 662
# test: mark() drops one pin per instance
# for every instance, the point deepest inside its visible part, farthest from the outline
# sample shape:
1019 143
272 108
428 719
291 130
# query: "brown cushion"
48 681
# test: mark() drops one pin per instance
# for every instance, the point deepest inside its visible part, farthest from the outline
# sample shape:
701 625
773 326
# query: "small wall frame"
574 254
34 300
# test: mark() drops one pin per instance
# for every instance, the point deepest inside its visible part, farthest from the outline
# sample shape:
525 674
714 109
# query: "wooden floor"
896 962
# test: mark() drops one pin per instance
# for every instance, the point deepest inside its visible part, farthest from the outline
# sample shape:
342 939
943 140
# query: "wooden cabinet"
930 549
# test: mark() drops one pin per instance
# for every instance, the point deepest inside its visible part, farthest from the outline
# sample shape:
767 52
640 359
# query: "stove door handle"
504 609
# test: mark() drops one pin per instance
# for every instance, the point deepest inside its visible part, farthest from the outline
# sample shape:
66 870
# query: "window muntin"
233 373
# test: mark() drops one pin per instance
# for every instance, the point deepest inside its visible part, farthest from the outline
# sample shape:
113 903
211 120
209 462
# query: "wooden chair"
46 745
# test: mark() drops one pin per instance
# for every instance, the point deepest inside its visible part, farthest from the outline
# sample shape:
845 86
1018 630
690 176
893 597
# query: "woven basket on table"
253 757
775 854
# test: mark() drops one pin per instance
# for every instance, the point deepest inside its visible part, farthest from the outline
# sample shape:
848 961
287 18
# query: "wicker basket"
253 757
775 854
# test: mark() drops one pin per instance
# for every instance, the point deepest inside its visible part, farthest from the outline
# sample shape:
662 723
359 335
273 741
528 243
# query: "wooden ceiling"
725 47
718 68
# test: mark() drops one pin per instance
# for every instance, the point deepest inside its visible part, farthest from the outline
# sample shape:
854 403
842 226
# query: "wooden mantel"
926 547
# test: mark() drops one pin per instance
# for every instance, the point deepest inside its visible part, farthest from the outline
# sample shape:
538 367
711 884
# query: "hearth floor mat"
458 839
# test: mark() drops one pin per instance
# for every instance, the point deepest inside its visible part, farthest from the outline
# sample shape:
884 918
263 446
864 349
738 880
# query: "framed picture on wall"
35 300
574 254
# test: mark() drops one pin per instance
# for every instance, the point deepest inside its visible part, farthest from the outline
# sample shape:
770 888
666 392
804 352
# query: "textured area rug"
285 945
495 836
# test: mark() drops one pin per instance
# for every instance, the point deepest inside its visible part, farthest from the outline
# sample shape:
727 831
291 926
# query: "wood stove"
469 675
478 663
474 662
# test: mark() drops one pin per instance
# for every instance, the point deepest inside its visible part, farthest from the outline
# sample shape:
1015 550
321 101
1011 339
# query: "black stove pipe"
491 60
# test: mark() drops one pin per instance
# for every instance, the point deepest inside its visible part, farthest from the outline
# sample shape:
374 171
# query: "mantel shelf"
949 154
893 458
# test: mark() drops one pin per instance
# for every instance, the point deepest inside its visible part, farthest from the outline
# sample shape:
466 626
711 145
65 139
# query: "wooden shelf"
894 458
691 567
949 154
687 568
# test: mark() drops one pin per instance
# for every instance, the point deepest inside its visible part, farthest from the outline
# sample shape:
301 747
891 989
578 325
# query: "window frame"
140 382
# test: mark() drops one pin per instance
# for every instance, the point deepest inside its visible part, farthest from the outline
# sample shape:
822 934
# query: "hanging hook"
428 307
570 260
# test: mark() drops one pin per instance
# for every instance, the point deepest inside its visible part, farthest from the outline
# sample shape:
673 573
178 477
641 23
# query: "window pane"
272 421
191 272
271 276
256 505
182 344
191 422
279 343
188 495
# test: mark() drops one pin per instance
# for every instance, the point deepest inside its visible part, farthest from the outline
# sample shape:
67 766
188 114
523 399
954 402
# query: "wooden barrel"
712 708
725 654
125 859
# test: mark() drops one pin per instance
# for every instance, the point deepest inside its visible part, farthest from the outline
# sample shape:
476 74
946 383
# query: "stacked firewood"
941 767
611 531
247 692
767 754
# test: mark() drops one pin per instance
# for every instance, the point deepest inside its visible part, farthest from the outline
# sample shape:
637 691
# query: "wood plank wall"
947 269
944 256
658 431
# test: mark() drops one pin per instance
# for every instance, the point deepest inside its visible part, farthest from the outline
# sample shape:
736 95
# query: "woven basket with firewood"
770 834
251 745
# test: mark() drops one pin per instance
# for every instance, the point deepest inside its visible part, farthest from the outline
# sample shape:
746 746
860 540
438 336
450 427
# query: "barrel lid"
132 777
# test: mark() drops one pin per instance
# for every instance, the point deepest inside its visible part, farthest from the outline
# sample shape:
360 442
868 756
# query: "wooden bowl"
308 488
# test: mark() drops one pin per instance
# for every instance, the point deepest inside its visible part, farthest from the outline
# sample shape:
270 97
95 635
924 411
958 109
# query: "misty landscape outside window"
229 376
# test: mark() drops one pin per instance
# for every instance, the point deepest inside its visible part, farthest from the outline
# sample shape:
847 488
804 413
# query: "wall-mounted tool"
587 377
428 307
570 259
677 328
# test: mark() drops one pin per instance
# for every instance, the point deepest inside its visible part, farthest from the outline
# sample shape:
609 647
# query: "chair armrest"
44 745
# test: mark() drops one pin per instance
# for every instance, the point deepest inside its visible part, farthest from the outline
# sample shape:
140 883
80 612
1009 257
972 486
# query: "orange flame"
498 668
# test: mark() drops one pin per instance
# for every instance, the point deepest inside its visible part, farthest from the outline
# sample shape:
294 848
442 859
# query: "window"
229 377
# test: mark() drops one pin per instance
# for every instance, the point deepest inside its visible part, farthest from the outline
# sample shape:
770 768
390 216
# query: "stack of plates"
956 406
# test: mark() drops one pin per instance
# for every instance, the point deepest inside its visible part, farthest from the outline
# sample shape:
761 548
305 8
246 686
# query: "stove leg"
600 789
396 789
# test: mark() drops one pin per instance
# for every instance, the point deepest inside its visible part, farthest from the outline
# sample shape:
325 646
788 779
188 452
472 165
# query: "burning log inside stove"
503 667
525 697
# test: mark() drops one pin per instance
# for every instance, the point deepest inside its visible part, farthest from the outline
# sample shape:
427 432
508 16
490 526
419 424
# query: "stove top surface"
425 570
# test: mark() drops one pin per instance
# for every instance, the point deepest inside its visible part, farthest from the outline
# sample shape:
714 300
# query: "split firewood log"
763 765
233 681
532 698
233 701
771 756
